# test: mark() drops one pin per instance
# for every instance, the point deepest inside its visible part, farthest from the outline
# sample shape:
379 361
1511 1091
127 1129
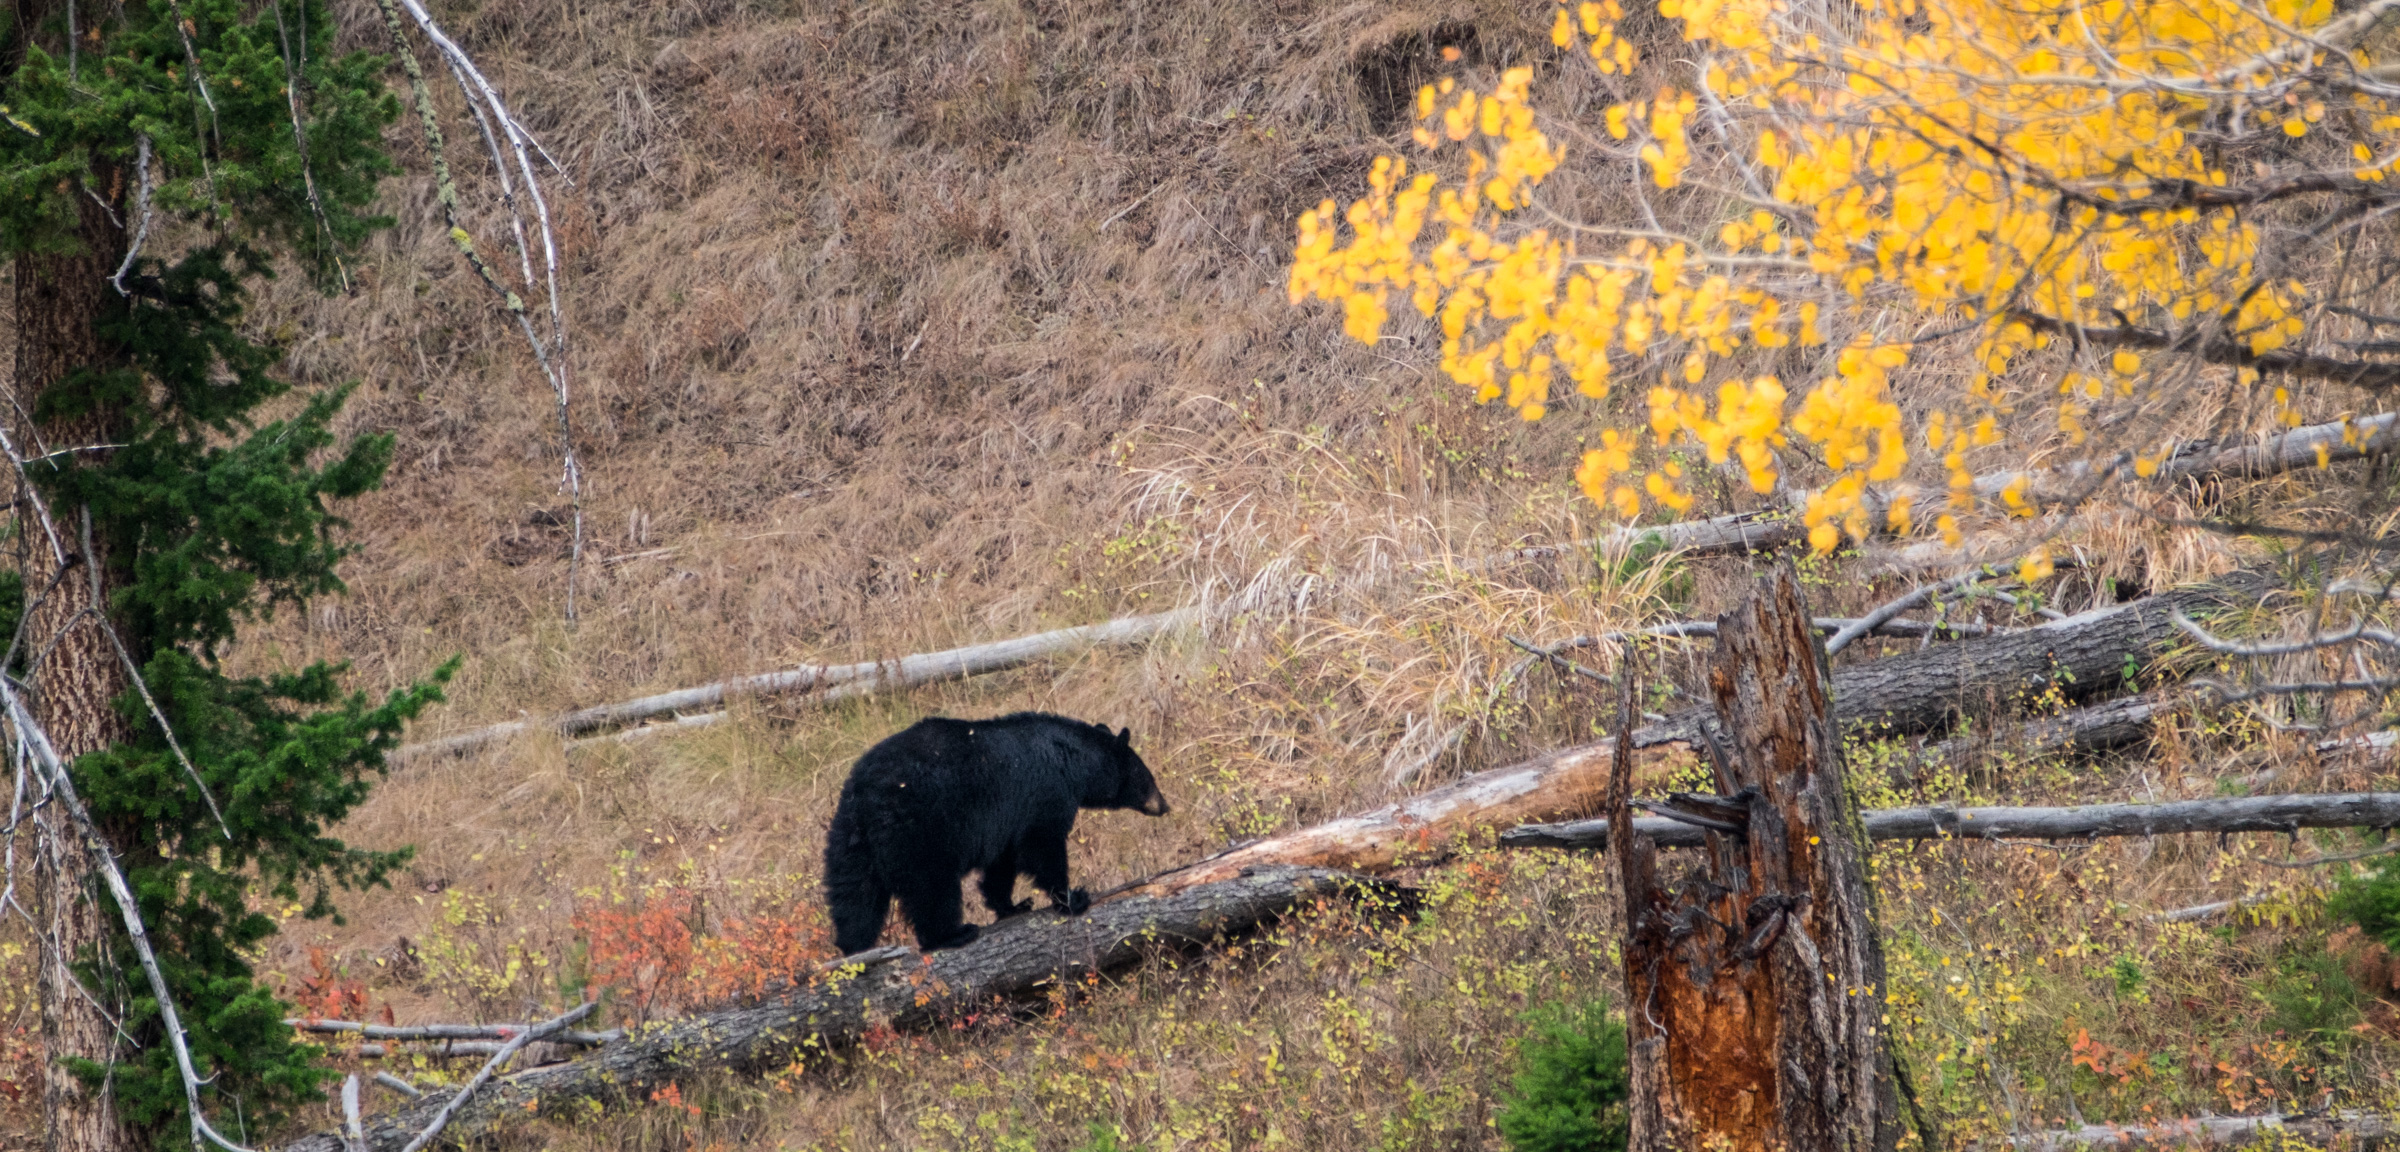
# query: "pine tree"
158 159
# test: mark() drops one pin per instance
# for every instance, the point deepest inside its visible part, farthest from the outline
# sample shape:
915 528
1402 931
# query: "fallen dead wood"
2355 1131
2091 728
1780 525
1017 958
2317 444
1915 691
447 1031
1744 531
830 681
2082 655
2286 814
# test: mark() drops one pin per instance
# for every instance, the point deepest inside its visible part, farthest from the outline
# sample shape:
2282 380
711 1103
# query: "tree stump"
1754 980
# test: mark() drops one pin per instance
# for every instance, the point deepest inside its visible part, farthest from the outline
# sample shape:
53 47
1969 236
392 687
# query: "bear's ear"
1125 737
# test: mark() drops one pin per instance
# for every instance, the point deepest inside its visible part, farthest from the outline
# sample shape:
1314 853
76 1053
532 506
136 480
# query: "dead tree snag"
1754 980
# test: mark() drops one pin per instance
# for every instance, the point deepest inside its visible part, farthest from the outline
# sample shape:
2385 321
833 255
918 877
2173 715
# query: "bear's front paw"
1019 908
1077 902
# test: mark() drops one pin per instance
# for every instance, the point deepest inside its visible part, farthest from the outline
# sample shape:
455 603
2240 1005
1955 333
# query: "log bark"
2283 813
831 682
2080 655
2351 1131
1754 983
1021 957
60 298
1919 690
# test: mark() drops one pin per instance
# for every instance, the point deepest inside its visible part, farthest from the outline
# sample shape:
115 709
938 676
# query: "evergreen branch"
133 672
32 494
35 744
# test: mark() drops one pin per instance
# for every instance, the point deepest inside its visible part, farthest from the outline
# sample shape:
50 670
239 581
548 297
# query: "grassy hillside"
906 325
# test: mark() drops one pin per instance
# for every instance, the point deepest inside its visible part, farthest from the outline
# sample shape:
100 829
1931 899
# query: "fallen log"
830 681
2353 1131
1742 531
1780 525
899 987
2083 654
1915 691
2285 813
446 1031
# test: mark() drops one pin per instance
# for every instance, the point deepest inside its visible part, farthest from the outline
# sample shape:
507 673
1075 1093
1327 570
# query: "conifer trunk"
59 298
1754 981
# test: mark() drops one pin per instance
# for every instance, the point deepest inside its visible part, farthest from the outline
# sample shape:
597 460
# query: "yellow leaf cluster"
2009 168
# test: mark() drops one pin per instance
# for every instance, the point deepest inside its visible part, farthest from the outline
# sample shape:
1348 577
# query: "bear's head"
1136 789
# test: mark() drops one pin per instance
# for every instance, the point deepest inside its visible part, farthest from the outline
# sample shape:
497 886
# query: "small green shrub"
2310 997
1569 1091
2371 901
1104 1138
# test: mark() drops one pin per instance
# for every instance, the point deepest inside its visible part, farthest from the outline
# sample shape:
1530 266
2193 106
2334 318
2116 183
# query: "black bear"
943 798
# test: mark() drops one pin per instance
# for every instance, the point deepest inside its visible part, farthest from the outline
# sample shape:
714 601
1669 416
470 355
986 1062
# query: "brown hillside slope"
865 298
909 325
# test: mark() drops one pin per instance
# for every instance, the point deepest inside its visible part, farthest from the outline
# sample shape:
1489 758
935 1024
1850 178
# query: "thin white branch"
45 759
446 1031
2357 631
1924 594
141 212
541 1031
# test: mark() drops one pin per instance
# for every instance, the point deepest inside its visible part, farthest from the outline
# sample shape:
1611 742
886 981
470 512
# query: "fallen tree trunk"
2083 654
1914 691
2285 813
2353 1131
898 987
1775 527
830 681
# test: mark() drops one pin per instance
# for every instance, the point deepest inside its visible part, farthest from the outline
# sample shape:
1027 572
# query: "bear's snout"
1154 804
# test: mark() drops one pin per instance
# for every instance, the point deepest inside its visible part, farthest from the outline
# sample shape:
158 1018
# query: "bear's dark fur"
943 798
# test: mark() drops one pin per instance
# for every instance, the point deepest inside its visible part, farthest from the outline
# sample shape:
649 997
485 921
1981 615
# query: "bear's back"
976 785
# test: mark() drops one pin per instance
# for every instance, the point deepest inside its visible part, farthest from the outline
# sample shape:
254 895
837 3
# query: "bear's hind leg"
999 883
1045 855
930 901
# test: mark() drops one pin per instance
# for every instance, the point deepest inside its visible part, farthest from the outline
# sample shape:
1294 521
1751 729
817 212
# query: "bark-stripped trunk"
1754 983
59 296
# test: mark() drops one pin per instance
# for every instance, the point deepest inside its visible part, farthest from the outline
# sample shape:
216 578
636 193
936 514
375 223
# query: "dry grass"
905 325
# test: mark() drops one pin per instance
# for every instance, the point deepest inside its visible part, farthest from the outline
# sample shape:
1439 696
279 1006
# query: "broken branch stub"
1754 982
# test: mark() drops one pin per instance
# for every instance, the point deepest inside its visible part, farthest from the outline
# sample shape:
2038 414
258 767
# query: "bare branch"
539 1031
448 1031
1924 594
2357 631
399 1085
141 212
